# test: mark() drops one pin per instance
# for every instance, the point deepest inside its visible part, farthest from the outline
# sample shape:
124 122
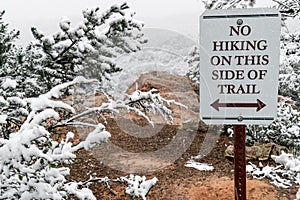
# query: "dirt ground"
175 181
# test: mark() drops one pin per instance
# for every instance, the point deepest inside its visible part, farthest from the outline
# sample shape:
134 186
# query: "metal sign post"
239 69
239 66
239 162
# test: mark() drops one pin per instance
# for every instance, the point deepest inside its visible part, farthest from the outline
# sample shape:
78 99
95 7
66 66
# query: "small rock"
258 152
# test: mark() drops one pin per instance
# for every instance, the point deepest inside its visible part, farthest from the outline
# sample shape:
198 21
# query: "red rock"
177 87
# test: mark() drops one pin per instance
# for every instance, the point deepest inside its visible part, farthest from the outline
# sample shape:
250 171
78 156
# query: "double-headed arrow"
258 105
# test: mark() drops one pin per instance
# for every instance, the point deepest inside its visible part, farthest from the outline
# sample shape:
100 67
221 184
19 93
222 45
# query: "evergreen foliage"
193 59
7 39
227 4
87 49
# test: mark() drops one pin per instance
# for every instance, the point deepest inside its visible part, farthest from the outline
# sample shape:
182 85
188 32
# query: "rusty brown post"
240 162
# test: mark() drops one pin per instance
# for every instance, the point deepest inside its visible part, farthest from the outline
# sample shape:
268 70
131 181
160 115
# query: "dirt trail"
222 188
175 181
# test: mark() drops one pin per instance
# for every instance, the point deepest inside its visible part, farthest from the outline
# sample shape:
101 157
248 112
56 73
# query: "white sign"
239 65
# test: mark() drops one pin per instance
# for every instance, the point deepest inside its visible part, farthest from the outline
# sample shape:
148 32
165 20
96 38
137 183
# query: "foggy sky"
176 15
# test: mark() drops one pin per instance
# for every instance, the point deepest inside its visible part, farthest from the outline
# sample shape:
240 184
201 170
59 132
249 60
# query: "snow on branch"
288 8
137 186
227 4
151 101
87 48
193 59
138 102
29 157
56 91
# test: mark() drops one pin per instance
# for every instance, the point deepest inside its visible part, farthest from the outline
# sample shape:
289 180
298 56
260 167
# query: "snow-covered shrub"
137 186
139 102
289 78
284 175
279 175
30 158
285 130
87 49
288 8
227 4
31 162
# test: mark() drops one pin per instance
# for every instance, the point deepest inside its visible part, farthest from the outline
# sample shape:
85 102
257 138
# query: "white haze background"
175 15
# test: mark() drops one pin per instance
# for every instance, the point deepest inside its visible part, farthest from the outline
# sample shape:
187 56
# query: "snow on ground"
284 175
138 186
199 166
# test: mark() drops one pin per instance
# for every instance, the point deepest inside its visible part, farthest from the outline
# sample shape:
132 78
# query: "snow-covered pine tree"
87 49
289 78
16 83
12 107
12 60
7 39
193 59
288 8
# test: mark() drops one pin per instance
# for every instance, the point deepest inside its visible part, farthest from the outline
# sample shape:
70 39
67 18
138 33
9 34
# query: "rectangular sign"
239 65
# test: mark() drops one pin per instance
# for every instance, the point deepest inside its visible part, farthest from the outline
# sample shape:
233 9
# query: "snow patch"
138 186
199 166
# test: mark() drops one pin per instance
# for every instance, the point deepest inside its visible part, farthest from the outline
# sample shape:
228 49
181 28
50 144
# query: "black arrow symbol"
258 105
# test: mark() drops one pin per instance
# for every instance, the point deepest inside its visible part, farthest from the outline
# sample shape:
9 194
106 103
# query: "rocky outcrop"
176 87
